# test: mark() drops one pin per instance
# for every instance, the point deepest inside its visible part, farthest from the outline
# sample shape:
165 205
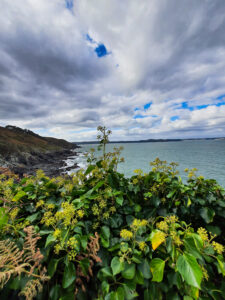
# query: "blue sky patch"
136 108
101 50
202 106
184 105
174 118
221 97
139 117
147 105
220 103
89 39
69 4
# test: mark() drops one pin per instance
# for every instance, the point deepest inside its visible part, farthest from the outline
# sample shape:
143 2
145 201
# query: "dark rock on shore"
24 152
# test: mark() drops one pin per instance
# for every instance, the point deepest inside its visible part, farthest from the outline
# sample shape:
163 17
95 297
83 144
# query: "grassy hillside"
14 139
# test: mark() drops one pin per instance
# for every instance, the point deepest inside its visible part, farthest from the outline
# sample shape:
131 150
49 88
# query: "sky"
145 69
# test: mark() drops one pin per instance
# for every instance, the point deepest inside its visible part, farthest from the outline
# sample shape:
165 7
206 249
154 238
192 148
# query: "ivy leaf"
89 169
207 214
190 270
157 238
85 263
50 239
116 265
119 294
3 217
19 196
52 266
144 268
129 271
157 266
105 234
119 200
33 217
69 275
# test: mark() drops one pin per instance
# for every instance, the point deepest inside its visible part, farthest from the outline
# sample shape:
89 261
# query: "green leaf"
129 271
214 229
119 200
33 217
69 275
157 266
129 292
170 195
55 292
119 294
19 196
105 287
105 234
52 266
190 270
144 268
207 214
3 217
192 248
221 266
84 263
50 239
89 169
105 272
116 265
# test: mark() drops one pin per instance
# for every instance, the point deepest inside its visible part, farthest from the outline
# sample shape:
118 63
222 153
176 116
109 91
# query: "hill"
24 151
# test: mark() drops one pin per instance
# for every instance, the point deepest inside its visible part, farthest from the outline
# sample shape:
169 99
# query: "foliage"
104 236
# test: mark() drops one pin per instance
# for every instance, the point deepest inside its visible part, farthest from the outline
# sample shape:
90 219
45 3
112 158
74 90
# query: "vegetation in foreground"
99 235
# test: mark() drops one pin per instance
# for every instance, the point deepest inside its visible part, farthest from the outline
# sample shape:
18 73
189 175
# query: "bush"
104 236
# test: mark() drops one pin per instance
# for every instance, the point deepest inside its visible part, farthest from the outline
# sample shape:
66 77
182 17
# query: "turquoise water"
207 156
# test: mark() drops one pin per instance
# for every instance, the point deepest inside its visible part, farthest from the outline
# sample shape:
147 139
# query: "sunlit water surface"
208 156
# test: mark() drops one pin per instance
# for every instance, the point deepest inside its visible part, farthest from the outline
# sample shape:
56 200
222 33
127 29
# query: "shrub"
104 236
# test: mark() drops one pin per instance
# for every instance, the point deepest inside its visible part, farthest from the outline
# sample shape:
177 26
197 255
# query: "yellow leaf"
158 238
189 202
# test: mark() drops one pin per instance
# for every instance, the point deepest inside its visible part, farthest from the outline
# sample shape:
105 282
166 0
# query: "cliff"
24 151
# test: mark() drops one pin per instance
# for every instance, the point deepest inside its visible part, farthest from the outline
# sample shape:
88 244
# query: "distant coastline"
152 141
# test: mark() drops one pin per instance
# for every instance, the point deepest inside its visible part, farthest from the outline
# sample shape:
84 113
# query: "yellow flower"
203 234
142 246
102 203
135 181
50 206
162 226
172 219
126 234
176 238
80 213
136 224
57 248
106 215
14 213
205 273
112 209
57 233
218 247
40 203
72 242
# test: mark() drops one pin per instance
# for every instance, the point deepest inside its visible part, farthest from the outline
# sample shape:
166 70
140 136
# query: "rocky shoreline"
24 152
52 163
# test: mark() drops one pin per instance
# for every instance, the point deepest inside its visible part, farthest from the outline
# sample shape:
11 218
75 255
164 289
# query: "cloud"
146 70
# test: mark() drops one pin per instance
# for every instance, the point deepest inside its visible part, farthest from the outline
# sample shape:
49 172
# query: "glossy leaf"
69 275
157 266
190 270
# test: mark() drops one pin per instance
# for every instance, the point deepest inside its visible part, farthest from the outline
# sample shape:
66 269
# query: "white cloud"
164 52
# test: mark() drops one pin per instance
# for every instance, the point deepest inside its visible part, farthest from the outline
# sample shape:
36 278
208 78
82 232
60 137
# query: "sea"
208 156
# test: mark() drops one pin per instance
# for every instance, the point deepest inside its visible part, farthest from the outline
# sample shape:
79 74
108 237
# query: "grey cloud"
167 51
